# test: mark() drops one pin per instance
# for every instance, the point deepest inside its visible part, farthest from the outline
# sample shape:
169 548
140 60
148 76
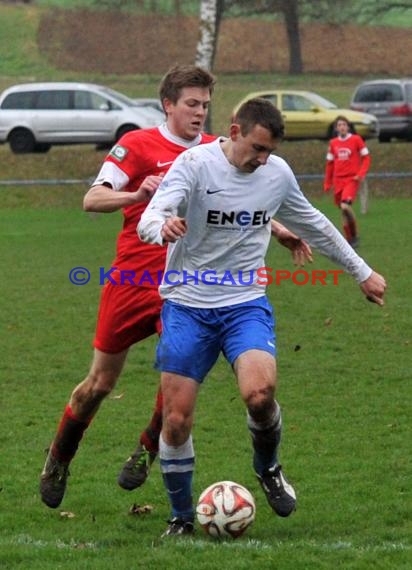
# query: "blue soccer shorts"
192 338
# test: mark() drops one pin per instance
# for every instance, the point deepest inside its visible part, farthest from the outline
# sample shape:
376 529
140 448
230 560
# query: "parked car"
35 116
391 101
150 102
307 115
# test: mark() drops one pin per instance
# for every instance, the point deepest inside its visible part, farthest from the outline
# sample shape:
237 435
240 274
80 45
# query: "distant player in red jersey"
347 163
130 303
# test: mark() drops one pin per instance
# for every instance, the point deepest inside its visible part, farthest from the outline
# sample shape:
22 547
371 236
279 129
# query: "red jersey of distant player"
139 154
346 158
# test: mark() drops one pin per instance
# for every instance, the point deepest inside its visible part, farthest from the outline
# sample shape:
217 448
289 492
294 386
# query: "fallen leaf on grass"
140 509
67 514
117 397
328 321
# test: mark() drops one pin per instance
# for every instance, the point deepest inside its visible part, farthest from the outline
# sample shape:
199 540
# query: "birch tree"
209 22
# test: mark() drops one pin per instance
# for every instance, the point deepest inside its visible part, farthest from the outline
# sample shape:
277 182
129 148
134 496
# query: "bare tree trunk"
178 9
209 23
290 12
206 46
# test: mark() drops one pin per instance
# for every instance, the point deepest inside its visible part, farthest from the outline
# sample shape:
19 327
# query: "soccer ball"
225 509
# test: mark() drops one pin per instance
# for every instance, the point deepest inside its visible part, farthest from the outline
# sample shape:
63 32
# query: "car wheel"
22 141
42 147
125 129
384 138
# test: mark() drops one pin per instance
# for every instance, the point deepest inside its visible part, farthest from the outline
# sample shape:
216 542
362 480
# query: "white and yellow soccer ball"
225 509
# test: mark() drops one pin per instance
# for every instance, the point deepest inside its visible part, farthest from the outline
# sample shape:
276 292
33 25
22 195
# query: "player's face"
186 117
342 128
252 150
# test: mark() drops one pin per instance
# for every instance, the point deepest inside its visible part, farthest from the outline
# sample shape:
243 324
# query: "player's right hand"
173 229
147 188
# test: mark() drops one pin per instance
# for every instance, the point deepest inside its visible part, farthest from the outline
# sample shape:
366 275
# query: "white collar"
164 130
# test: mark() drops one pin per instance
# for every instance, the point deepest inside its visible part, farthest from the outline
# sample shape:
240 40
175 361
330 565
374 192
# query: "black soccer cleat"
53 481
279 492
136 469
179 527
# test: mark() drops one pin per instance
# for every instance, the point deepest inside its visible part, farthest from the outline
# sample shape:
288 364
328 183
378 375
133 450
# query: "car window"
118 97
319 101
296 103
23 100
53 100
288 103
379 93
86 100
82 100
272 98
408 90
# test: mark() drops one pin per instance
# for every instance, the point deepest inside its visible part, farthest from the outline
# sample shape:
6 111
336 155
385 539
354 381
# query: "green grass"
82 162
18 43
345 392
345 397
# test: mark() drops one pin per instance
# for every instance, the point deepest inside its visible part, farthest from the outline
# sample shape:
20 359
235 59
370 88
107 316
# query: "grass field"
345 395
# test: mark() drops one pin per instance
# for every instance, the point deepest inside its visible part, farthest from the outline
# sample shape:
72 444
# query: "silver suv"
35 116
390 100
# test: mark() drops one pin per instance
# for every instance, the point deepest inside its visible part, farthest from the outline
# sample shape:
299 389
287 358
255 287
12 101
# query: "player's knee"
102 383
345 206
177 426
260 403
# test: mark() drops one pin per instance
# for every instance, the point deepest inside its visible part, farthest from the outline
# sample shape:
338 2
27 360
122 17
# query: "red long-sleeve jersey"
346 157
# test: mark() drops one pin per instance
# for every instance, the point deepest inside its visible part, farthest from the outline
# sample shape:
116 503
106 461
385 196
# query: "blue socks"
177 465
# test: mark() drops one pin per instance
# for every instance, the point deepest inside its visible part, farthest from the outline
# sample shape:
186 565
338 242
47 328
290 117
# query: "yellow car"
310 116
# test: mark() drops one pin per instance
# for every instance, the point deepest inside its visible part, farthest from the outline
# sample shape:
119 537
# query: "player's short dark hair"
259 111
180 76
342 118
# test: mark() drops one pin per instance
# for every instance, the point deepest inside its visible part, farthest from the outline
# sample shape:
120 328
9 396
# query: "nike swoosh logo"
214 191
160 164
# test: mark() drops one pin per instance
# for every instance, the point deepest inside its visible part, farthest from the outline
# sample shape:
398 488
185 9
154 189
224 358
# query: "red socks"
349 227
71 430
69 435
150 436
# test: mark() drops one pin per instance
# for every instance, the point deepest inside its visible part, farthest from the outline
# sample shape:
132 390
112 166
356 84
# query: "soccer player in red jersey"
347 163
130 303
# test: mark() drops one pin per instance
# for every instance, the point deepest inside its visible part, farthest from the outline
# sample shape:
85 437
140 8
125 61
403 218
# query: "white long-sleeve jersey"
228 215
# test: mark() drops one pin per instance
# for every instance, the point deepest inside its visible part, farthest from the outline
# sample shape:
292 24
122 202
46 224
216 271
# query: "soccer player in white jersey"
129 311
214 207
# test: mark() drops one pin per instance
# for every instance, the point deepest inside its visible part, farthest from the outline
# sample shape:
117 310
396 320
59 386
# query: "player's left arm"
374 288
297 213
365 161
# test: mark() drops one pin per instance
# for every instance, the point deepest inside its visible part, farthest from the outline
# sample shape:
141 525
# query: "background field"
345 395
344 372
